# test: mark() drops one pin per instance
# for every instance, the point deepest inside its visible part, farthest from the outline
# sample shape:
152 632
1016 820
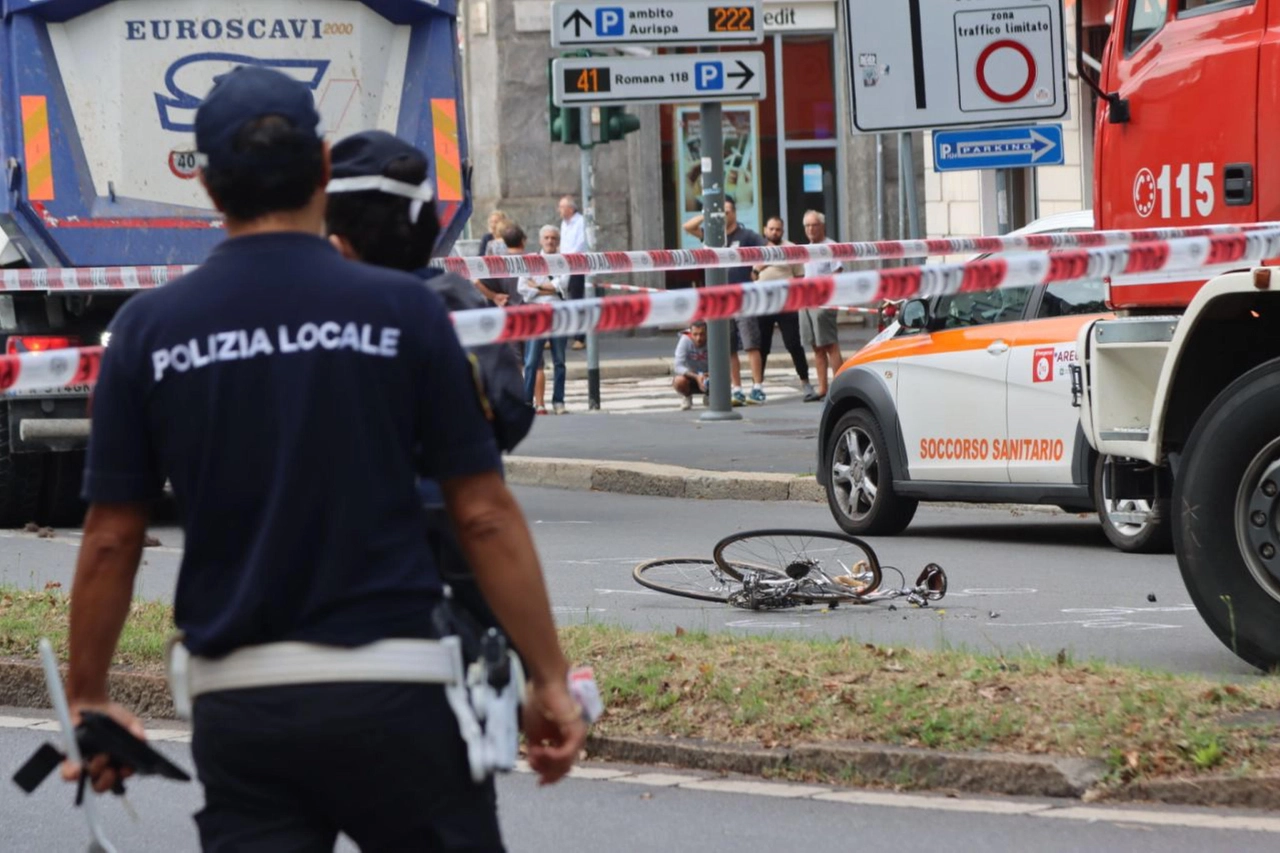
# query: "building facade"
790 152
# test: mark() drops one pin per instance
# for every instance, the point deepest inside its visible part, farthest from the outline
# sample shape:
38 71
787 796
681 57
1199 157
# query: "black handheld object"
98 734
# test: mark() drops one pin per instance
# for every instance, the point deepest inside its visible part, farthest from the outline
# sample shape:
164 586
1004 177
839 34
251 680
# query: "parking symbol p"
610 21
708 75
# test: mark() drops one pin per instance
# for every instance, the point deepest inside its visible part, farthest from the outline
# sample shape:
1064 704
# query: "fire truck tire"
20 480
860 479
1151 536
62 506
1226 501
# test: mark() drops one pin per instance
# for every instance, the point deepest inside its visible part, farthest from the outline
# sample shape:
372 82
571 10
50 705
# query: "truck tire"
1230 481
1151 536
20 480
860 491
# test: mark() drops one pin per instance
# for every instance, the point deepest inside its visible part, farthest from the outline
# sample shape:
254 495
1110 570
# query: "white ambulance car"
969 398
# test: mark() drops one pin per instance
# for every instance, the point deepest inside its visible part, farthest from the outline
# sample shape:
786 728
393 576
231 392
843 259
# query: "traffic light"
616 122
565 123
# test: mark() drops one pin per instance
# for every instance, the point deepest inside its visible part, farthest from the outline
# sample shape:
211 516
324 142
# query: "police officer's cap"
243 95
361 161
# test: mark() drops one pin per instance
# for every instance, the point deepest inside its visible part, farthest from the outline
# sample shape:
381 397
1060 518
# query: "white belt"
281 664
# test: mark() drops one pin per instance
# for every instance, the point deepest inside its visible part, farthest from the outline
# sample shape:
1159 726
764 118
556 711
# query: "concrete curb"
990 773
673 481
667 481
22 686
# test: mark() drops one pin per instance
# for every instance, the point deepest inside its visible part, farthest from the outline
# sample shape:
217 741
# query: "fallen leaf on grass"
893 667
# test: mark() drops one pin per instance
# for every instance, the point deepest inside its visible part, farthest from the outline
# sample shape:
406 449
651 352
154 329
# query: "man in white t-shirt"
573 238
818 329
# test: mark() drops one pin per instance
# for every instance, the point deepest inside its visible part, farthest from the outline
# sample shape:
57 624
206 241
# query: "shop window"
808 64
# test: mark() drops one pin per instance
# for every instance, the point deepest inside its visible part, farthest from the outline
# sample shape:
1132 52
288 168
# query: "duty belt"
483 694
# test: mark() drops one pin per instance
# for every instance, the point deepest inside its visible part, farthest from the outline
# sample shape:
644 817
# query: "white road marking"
600 773
759 789
1191 820
946 804
627 592
1155 816
1013 590
748 623
657 780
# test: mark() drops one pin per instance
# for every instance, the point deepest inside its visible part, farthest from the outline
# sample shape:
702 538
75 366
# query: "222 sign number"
731 19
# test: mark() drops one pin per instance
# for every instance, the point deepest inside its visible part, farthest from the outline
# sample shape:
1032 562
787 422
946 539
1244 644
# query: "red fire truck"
1185 382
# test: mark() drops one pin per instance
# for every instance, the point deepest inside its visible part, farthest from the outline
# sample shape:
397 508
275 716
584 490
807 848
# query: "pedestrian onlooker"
305 568
788 324
690 372
505 292
818 327
536 289
745 331
573 238
492 239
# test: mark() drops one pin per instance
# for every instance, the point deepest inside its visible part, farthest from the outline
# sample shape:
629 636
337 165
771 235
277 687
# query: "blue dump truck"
98 101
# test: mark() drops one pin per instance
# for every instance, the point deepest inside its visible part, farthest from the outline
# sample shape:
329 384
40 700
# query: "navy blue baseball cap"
360 164
371 152
245 94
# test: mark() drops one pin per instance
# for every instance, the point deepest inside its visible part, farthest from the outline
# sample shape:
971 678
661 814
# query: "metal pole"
718 338
1002 201
589 214
902 193
907 183
879 186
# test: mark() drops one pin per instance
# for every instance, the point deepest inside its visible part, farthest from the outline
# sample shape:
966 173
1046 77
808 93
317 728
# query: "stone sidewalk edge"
22 686
657 480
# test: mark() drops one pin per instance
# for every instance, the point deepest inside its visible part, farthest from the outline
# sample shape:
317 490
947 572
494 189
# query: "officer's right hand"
554 730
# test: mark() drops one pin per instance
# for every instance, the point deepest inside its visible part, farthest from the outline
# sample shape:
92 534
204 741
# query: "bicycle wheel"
693 577
804 556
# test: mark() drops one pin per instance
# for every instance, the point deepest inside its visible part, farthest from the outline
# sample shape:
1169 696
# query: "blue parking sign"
708 76
610 21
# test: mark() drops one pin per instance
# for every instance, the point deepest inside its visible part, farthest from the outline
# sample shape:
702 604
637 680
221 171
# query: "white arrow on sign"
1037 143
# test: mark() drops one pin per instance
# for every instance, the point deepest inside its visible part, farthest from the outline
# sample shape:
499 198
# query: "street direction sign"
923 64
675 22
998 148
665 79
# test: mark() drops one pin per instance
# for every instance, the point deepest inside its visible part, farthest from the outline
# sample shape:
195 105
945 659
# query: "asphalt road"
1018 580
645 810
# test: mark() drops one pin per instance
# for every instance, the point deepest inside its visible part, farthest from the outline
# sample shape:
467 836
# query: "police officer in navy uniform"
292 398
380 211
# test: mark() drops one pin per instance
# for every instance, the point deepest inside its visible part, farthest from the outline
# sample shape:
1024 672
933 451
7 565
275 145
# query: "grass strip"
779 692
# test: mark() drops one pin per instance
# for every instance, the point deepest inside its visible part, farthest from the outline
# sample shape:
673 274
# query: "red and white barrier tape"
630 288
124 279
681 307
657 260
50 369
91 278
